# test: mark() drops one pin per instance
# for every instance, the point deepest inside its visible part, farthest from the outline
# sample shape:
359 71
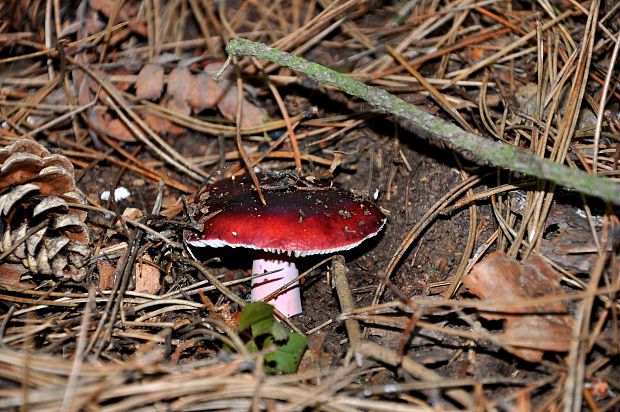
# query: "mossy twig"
433 128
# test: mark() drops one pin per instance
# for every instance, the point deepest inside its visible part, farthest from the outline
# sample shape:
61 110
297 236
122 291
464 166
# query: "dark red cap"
300 218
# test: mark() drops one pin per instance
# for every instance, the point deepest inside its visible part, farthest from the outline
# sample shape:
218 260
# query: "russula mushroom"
300 219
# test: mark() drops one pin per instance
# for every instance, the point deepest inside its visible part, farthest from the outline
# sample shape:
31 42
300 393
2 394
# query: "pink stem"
289 301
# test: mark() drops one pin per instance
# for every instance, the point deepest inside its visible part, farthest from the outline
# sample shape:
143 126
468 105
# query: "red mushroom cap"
300 218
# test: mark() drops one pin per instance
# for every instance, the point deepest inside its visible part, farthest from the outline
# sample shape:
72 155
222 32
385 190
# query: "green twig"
433 128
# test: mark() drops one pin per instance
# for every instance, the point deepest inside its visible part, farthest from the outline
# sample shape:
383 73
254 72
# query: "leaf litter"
534 329
124 90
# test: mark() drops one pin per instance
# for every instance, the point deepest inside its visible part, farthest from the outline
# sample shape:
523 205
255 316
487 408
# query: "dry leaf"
529 330
205 92
133 213
120 84
127 13
180 83
147 276
10 276
112 127
571 248
251 116
568 240
160 125
100 118
106 274
116 128
150 82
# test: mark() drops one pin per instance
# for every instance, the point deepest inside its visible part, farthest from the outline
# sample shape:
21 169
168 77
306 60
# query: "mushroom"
301 218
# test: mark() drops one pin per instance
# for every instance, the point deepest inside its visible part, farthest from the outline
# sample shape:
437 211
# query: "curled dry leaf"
530 330
150 82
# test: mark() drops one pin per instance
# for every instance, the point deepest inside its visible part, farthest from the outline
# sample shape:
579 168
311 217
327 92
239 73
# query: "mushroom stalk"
288 301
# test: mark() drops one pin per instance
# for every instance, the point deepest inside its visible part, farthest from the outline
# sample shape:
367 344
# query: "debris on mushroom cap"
300 218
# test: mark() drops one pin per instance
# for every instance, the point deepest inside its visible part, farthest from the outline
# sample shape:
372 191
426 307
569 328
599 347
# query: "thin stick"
341 284
239 142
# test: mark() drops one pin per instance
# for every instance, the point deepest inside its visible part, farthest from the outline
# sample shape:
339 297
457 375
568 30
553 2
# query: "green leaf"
258 316
253 313
271 327
287 357
263 327
252 347
279 332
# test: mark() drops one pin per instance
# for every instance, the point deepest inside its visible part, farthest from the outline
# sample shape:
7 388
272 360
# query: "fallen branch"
433 128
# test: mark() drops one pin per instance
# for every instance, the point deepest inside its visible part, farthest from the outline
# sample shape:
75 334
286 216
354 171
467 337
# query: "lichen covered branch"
433 128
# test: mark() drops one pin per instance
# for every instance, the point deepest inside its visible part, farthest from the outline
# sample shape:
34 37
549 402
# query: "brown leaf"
530 336
205 92
160 125
10 276
501 278
132 213
568 240
115 128
106 274
127 13
150 82
147 275
180 83
528 330
251 115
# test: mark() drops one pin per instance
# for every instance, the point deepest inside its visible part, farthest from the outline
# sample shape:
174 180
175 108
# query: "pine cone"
35 189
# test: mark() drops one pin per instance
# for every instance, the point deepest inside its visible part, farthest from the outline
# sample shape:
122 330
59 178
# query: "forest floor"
487 289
